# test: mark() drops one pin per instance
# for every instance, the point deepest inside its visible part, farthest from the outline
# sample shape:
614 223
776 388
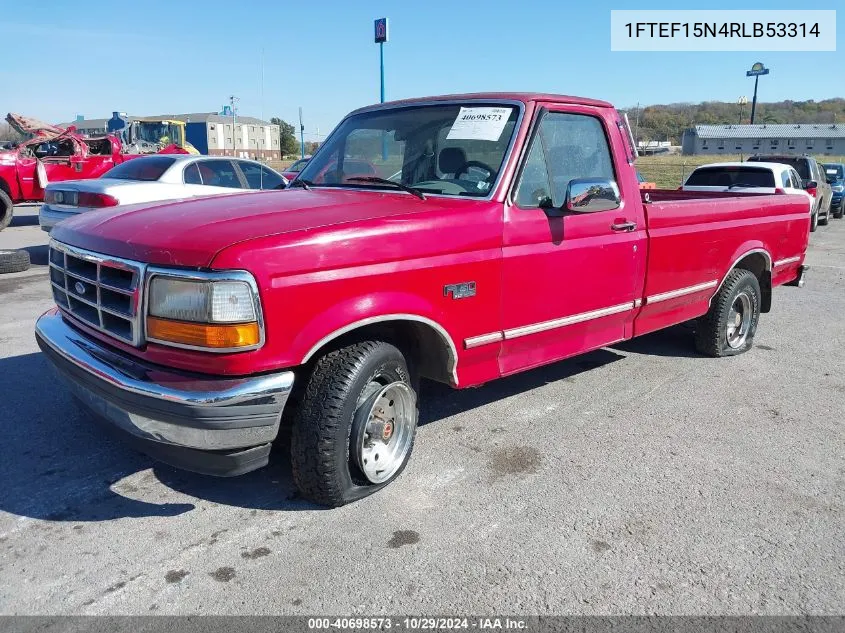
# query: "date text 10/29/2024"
417 624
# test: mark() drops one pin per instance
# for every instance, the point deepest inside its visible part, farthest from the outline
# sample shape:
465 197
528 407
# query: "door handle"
623 226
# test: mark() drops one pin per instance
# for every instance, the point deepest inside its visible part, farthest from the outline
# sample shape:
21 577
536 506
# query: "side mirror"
809 184
588 195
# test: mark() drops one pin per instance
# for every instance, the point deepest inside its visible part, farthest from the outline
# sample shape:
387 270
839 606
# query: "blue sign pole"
380 39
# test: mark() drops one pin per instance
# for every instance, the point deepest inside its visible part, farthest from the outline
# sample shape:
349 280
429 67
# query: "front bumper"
48 217
216 426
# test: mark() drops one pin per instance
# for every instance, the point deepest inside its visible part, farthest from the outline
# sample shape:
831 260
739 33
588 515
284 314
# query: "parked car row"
156 178
821 184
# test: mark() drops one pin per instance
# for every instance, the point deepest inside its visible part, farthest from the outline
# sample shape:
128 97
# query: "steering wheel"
476 163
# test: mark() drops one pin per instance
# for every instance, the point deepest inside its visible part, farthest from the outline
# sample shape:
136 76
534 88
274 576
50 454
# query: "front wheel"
729 326
840 210
826 217
814 221
354 430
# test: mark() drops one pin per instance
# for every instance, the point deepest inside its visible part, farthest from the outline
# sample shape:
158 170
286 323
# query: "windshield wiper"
301 182
384 181
740 184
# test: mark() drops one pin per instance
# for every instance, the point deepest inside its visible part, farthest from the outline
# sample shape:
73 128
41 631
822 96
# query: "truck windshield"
731 177
163 133
449 149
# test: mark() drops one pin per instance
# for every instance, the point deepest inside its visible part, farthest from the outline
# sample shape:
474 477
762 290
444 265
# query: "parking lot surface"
641 479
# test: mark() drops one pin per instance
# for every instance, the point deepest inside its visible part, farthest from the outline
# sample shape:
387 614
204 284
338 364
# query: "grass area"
670 170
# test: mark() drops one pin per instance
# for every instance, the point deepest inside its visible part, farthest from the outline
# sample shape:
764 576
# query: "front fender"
356 312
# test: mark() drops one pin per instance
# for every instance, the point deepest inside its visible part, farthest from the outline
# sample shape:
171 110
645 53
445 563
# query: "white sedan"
156 178
747 178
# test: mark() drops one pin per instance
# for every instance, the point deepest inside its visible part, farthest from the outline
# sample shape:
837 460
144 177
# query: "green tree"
287 136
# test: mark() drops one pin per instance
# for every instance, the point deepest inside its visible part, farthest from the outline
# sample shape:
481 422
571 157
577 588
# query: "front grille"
101 291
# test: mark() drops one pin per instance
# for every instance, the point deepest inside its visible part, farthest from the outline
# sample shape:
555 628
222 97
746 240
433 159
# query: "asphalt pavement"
637 479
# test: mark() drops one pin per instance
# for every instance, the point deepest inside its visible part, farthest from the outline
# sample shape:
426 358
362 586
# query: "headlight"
218 314
838 188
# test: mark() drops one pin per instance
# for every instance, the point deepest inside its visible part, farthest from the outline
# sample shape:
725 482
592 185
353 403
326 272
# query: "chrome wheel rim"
739 321
383 429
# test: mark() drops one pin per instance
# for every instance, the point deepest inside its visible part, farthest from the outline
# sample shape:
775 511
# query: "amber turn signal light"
216 336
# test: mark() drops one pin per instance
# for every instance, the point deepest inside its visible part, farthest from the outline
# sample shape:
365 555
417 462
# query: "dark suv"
813 179
835 173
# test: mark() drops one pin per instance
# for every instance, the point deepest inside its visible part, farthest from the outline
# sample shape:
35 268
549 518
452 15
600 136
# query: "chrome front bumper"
219 426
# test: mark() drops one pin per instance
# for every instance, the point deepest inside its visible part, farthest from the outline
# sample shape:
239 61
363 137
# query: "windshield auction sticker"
701 30
479 124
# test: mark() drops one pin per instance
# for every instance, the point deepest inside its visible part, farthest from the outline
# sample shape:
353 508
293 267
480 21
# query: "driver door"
569 280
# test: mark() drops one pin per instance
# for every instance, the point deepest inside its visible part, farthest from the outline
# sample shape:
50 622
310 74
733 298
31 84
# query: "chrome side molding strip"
788 260
680 292
483 339
525 330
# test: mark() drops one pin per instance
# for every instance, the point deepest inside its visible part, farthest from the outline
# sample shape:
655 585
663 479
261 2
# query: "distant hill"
662 122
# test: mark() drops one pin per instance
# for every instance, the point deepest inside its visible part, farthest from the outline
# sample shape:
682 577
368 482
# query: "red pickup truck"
54 154
503 232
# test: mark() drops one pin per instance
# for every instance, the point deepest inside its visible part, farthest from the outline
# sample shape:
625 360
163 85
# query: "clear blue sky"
92 57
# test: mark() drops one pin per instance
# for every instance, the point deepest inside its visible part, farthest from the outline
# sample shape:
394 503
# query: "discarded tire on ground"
13 261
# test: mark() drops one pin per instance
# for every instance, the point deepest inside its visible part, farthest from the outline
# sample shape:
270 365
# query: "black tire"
840 210
711 335
826 217
324 469
7 210
814 221
13 261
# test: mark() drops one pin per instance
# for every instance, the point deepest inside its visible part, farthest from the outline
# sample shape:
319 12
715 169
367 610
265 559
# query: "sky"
93 57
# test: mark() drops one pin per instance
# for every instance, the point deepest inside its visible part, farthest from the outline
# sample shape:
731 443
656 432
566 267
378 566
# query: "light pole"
301 135
380 39
741 102
232 100
756 70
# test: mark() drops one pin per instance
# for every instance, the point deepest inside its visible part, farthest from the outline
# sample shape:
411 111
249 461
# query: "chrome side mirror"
588 195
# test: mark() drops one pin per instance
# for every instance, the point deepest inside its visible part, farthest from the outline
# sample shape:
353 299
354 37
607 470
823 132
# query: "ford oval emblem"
79 287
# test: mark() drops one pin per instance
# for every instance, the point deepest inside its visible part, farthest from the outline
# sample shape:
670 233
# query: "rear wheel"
354 430
729 326
7 210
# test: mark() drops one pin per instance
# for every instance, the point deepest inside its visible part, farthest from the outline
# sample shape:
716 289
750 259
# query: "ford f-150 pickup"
500 232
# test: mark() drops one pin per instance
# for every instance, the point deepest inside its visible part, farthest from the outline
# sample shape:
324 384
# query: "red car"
292 171
501 232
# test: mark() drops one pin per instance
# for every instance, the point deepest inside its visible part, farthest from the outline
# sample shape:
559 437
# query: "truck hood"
191 232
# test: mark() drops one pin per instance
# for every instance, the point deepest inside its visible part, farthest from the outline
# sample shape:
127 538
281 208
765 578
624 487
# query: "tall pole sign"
756 70
380 39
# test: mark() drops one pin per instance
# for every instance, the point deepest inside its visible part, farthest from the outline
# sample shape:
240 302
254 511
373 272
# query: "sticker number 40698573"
480 124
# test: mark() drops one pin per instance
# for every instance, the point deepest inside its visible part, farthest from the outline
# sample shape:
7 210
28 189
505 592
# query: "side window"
534 189
785 179
271 179
192 175
252 173
575 146
219 173
796 179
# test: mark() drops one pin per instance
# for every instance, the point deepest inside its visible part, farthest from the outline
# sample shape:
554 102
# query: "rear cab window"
145 169
731 176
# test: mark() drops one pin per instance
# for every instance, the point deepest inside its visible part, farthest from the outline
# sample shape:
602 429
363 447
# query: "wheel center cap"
387 431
